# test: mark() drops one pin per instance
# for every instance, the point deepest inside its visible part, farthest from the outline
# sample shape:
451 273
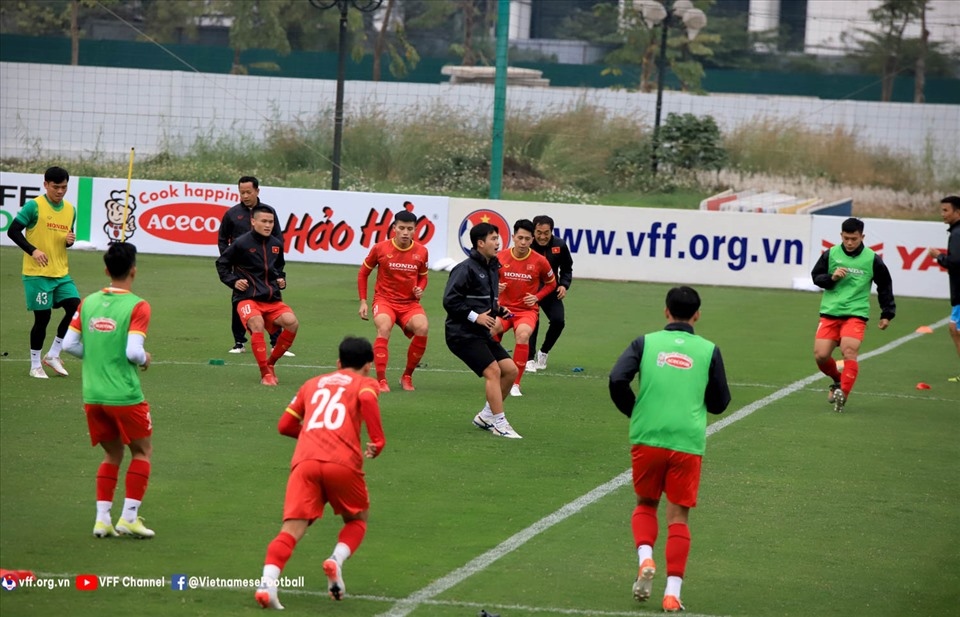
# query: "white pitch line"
409 604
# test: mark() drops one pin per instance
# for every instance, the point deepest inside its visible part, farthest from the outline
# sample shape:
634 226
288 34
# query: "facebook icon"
178 582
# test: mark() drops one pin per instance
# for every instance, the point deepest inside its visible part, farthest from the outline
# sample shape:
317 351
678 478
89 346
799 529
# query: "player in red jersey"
327 467
526 278
401 279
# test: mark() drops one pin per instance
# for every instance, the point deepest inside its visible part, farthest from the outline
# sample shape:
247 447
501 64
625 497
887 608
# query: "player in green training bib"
846 272
681 379
43 229
108 333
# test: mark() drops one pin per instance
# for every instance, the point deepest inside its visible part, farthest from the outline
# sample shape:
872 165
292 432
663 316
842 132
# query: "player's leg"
65 296
238 330
522 329
383 319
499 379
555 313
682 481
136 429
302 504
532 362
827 339
41 318
952 327
281 316
253 321
348 497
648 466
103 431
415 324
851 335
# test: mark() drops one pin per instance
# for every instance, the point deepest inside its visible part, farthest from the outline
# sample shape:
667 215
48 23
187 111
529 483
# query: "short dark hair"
683 302
405 216
480 231
852 225
953 200
526 224
120 258
56 175
262 209
543 219
251 179
355 351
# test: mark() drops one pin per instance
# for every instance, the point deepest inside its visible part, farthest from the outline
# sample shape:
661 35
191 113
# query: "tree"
402 53
254 24
52 17
892 17
640 45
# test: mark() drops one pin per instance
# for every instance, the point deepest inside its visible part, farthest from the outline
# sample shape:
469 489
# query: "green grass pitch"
802 512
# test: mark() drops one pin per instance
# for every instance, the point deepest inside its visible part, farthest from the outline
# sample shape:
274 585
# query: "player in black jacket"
471 302
557 253
235 223
252 266
950 210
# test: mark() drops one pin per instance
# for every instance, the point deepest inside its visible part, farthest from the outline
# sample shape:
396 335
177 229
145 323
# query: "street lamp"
366 6
684 14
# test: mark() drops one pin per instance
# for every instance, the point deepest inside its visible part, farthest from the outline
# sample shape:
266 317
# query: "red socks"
521 353
280 549
829 368
644 524
418 345
284 341
849 376
138 474
352 534
107 475
259 347
678 549
381 354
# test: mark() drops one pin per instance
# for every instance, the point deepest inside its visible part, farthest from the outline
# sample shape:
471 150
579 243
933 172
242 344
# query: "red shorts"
520 318
313 484
834 329
112 422
270 311
400 314
658 470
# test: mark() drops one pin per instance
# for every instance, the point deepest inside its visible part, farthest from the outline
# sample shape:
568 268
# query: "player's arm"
951 259
225 266
820 274
422 276
455 295
548 283
717 395
225 233
27 217
290 423
565 269
73 341
881 276
370 411
137 335
279 267
72 234
622 374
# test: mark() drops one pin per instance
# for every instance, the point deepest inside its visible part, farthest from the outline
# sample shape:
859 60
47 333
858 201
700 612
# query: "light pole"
693 20
366 6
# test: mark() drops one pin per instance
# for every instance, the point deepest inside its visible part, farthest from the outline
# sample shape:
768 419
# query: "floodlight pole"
365 6
661 70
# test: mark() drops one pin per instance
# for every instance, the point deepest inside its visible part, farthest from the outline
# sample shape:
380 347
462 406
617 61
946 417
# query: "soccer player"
681 378
846 273
49 221
253 267
401 279
471 302
557 253
108 332
327 467
526 278
235 223
950 211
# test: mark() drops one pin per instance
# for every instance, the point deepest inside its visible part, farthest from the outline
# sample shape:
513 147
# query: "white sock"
56 347
130 509
673 586
270 575
341 552
34 358
644 551
497 417
103 512
486 408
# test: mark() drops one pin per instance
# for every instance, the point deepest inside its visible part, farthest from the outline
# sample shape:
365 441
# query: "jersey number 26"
328 411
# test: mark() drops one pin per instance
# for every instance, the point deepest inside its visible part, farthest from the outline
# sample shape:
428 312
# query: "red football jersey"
400 269
529 274
329 406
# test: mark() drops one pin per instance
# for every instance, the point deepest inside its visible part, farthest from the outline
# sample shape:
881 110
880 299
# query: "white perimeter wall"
107 111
